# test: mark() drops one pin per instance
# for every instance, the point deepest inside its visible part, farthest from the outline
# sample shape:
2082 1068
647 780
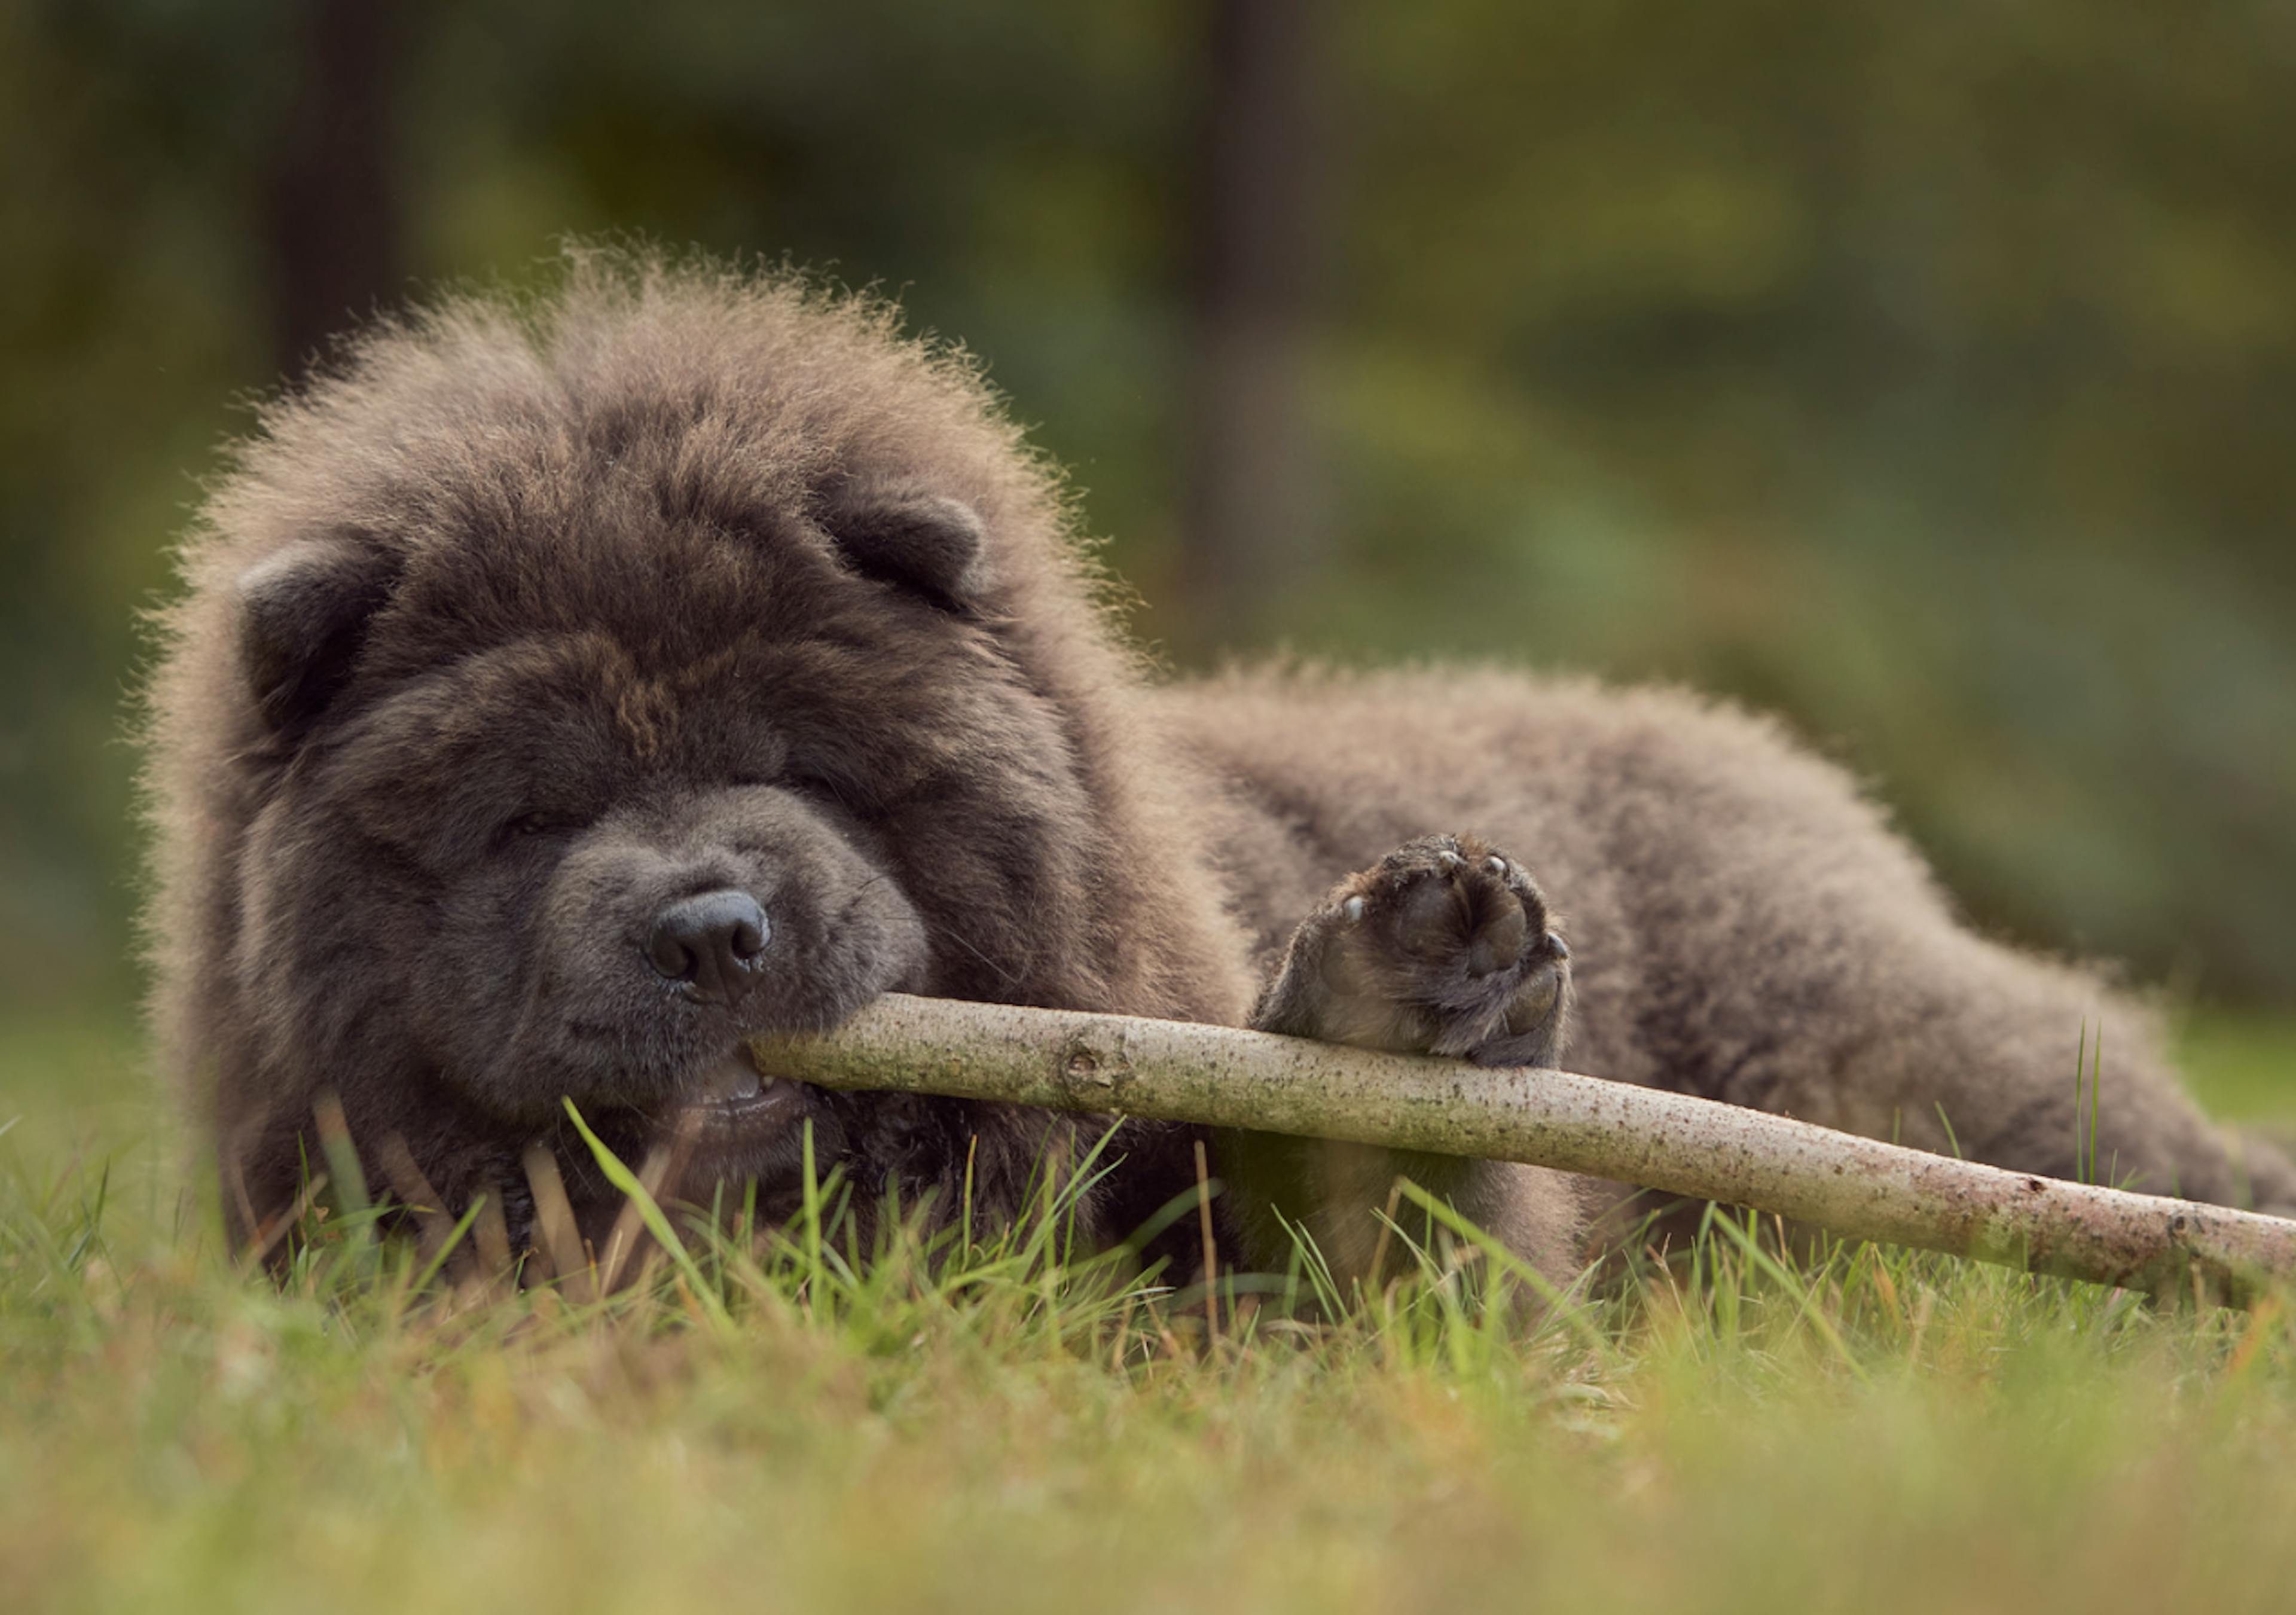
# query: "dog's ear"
303 614
923 541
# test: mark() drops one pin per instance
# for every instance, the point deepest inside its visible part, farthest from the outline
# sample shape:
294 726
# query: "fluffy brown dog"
564 693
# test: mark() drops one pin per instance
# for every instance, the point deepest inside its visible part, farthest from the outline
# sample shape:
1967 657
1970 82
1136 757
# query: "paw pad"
1452 906
1444 948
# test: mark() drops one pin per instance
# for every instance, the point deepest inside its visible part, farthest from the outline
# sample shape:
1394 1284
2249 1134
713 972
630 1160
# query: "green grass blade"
712 1304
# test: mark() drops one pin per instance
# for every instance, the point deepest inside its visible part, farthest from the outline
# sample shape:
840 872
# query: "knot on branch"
1089 1066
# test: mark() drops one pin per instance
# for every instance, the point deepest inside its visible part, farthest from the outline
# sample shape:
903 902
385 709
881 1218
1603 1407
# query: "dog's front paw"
1445 947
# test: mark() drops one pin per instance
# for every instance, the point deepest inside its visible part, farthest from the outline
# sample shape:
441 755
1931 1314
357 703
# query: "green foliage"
1923 371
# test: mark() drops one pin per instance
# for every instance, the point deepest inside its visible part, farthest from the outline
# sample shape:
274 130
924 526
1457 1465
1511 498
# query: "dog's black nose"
711 943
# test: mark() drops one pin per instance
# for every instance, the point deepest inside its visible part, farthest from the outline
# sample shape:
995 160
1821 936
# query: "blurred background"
1926 373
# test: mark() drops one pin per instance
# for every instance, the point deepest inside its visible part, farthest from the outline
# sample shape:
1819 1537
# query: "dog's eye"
540 823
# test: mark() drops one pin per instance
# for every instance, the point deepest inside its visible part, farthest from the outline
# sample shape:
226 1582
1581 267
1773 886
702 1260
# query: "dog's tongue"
733 1077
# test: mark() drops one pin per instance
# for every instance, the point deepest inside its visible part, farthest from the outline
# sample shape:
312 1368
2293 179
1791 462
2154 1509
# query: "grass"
1873 1431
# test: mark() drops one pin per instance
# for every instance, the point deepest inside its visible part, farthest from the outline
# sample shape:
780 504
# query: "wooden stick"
1859 1188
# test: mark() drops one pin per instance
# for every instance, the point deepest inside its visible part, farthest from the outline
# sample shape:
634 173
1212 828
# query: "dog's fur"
524 621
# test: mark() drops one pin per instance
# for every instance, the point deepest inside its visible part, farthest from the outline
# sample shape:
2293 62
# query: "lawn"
1871 1431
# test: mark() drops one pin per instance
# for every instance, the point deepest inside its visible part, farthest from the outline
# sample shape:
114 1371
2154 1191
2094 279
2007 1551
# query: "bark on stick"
1859 1188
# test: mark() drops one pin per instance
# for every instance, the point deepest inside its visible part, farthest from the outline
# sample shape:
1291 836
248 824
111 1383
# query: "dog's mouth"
732 1123
732 1100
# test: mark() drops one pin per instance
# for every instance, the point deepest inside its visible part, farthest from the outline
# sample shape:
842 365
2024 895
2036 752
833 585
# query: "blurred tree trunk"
332 215
1246 525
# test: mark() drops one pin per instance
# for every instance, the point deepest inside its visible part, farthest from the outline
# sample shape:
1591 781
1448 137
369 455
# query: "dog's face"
576 819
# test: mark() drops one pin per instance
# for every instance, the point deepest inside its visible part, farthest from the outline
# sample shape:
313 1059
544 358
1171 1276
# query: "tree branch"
1858 1188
